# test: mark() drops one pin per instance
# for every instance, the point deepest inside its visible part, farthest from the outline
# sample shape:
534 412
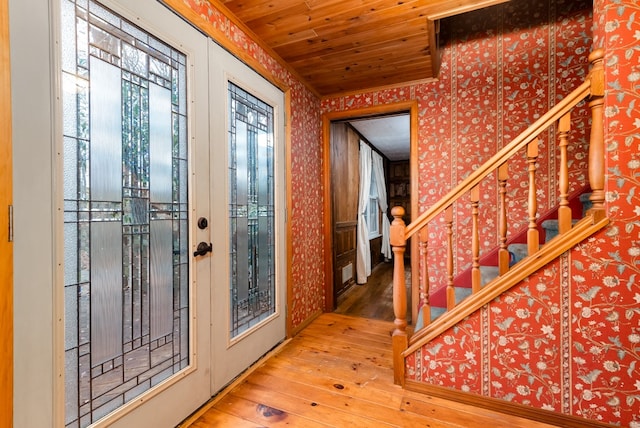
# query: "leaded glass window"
126 272
251 210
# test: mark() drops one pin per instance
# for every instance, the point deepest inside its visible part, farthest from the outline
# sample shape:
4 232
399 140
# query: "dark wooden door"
345 180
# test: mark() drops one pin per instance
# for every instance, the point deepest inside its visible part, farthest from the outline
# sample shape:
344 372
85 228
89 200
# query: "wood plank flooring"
337 373
375 298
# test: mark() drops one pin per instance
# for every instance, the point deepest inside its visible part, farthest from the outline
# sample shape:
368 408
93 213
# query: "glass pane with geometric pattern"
251 211
126 280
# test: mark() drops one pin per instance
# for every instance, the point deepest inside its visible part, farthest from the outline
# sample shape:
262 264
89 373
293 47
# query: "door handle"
203 248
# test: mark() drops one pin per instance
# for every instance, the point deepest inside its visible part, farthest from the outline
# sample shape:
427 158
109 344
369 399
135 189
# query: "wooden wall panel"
345 155
376 251
345 181
6 249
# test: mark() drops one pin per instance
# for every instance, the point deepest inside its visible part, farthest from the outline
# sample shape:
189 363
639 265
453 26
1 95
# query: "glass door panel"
119 153
126 154
249 267
251 208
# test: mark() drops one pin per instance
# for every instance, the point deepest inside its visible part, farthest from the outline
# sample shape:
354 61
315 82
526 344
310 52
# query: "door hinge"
10 223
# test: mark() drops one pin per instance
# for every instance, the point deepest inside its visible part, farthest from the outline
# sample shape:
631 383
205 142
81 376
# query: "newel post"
400 340
596 143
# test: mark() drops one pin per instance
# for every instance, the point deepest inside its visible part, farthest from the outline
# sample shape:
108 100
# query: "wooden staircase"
547 225
539 252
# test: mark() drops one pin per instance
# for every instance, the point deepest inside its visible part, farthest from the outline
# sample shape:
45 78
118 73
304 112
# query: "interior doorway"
366 123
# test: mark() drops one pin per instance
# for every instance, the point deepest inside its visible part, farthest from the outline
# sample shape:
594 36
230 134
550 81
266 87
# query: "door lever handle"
203 248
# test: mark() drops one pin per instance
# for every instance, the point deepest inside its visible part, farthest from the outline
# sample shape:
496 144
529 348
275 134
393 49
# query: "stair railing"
591 89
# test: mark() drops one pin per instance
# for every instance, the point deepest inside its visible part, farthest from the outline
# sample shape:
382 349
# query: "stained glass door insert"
126 260
251 210
247 148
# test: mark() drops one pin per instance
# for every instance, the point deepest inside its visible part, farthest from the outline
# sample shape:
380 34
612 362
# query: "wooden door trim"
327 118
6 247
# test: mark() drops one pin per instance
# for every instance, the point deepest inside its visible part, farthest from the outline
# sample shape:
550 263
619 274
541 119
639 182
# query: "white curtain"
363 254
378 171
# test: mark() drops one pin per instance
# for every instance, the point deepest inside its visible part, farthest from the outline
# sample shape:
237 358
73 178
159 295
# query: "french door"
247 130
161 170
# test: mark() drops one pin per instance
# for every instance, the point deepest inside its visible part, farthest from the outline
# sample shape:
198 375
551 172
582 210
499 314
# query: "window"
373 212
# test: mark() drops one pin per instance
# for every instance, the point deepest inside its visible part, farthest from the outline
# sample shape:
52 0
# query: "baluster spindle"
596 143
533 240
503 252
564 212
399 338
424 276
451 295
476 278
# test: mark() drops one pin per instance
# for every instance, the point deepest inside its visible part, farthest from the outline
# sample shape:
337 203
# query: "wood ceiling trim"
296 17
456 7
367 70
256 8
434 46
368 74
381 25
320 13
299 38
329 44
372 89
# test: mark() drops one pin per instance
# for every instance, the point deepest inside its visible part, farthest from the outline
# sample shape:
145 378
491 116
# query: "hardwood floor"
337 373
375 298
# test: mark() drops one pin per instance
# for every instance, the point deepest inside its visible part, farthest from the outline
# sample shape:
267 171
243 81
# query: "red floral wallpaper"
502 68
567 339
604 293
307 260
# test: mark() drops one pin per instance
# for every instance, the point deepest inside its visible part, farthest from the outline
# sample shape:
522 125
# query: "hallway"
374 299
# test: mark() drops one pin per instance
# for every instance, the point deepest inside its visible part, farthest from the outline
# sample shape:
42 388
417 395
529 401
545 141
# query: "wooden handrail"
501 157
593 85
592 88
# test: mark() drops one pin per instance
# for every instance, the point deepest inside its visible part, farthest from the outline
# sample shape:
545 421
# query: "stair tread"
518 252
461 293
436 312
488 273
553 223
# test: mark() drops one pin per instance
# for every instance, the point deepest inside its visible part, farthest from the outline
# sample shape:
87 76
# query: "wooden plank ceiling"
349 45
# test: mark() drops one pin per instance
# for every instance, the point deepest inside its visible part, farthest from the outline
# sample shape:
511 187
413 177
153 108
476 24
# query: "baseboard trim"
507 407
